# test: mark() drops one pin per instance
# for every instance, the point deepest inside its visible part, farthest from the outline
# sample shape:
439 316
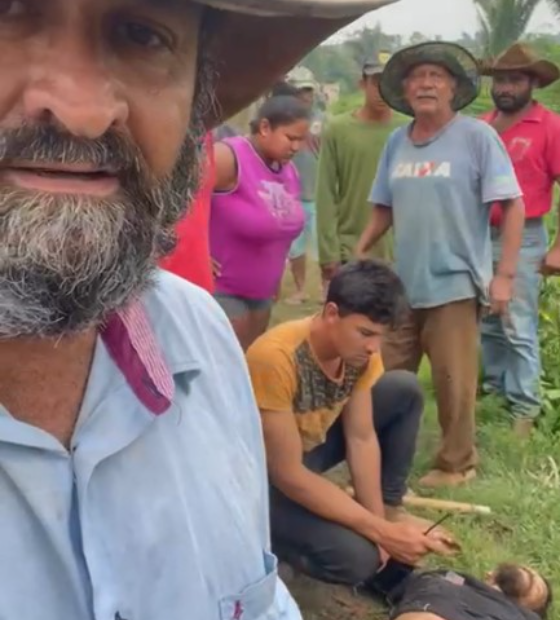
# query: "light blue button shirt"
147 517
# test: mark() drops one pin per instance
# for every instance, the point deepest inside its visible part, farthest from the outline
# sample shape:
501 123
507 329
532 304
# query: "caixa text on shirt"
420 170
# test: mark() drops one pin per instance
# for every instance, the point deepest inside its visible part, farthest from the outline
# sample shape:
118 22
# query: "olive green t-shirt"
350 152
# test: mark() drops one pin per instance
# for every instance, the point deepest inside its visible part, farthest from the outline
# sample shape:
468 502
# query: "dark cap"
375 65
371 68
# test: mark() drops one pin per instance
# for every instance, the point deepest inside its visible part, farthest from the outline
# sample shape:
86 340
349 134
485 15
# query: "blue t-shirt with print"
441 193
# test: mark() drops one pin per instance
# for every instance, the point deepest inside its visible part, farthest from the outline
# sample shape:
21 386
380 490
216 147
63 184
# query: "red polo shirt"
533 144
191 258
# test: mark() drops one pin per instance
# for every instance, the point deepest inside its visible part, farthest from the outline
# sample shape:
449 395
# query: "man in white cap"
436 183
302 80
132 472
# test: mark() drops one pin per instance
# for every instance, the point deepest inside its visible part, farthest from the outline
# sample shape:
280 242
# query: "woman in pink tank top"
256 213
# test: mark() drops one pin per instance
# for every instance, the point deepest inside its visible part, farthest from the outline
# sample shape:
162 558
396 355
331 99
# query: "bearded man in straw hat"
132 471
531 133
436 182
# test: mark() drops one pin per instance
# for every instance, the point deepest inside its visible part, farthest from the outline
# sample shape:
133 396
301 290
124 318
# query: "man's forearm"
326 500
380 222
512 235
364 461
327 228
327 206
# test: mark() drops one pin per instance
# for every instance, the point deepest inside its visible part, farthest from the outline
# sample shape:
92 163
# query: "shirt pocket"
254 601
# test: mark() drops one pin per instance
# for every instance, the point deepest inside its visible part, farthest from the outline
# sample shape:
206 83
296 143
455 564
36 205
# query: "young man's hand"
409 544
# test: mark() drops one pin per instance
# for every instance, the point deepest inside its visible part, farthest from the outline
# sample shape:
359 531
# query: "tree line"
501 23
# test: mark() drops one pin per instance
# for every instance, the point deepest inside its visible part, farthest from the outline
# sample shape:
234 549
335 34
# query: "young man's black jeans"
323 549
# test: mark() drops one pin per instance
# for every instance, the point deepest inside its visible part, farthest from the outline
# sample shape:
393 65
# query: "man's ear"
264 128
330 311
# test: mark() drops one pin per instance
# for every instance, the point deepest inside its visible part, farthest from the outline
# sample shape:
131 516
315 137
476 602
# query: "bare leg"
258 324
242 327
299 271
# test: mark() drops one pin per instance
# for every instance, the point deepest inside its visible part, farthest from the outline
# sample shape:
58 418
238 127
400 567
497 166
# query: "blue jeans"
510 346
308 236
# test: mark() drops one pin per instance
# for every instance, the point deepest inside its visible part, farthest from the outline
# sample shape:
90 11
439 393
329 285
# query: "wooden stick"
445 505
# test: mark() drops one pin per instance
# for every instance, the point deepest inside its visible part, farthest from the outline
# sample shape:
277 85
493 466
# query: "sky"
448 18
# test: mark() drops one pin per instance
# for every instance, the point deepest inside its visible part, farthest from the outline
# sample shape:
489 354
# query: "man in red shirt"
191 257
531 134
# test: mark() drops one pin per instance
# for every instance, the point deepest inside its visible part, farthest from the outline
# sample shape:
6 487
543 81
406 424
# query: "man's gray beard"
68 262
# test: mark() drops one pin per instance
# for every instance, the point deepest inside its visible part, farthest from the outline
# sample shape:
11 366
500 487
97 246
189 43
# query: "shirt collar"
535 114
132 345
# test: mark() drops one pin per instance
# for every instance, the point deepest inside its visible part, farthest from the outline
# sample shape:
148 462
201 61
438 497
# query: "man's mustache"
45 144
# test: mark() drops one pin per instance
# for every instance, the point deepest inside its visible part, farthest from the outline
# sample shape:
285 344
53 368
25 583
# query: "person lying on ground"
325 399
510 592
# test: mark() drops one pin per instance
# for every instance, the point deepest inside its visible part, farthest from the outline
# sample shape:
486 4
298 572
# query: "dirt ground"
326 602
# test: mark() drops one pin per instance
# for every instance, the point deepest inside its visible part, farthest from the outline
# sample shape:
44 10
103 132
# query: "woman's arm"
225 168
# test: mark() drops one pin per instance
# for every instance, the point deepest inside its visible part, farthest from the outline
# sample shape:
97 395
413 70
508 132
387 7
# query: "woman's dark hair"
370 288
281 111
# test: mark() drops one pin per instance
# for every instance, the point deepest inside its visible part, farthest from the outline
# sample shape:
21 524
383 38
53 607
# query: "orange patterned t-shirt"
287 377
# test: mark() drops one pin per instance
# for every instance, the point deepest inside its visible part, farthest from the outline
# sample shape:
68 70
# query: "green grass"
519 481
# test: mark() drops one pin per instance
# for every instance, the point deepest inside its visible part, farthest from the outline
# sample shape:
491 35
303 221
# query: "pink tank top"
253 226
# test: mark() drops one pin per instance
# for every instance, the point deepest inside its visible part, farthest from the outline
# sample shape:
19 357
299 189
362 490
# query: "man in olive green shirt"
351 146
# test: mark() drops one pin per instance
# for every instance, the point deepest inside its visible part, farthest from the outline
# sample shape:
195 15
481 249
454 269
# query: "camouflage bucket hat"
460 63
302 78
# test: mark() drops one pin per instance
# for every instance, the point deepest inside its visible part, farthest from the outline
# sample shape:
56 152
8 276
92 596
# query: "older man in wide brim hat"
436 181
531 134
132 471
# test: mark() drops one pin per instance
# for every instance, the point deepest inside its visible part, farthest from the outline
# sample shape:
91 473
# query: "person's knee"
340 556
348 559
359 560
403 390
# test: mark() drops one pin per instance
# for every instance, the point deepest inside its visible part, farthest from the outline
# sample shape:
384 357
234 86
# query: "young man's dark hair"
370 288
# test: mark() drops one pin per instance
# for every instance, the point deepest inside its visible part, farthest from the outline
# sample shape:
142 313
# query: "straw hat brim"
257 42
545 71
456 59
329 9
